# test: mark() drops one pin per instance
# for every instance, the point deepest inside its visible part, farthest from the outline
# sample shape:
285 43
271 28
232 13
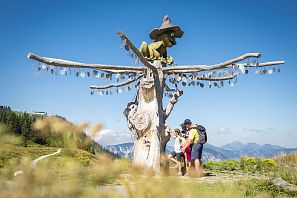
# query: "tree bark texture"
146 120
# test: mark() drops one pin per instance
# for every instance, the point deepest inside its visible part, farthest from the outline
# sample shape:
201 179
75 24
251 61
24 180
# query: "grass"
77 173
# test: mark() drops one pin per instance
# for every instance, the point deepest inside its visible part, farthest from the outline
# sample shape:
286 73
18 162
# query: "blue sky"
258 109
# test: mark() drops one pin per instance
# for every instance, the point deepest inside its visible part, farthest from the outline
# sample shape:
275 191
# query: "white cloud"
110 136
221 130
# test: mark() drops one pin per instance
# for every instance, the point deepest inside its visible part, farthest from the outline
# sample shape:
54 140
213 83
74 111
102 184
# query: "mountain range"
232 150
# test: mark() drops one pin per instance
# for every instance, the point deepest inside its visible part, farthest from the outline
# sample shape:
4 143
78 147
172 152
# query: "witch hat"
166 27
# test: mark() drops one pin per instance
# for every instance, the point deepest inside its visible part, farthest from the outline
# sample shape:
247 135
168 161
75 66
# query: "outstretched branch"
261 64
172 102
226 64
137 52
116 84
216 66
219 78
71 64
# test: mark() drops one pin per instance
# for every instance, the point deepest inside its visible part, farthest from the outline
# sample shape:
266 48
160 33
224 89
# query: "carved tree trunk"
146 120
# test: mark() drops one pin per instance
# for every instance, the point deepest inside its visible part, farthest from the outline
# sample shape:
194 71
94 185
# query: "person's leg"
198 162
178 156
171 157
197 165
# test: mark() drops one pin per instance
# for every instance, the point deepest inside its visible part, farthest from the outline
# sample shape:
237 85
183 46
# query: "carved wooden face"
147 86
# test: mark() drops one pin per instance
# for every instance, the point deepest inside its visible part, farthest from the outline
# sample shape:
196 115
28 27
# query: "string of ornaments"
210 79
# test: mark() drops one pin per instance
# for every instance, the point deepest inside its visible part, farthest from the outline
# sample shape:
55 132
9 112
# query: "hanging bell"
215 84
77 73
270 71
184 83
222 83
278 70
88 74
246 71
52 71
38 68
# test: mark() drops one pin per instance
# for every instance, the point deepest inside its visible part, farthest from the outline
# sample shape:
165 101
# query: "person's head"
176 133
187 123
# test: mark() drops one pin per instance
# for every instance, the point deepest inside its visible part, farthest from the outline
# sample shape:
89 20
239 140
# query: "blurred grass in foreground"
78 173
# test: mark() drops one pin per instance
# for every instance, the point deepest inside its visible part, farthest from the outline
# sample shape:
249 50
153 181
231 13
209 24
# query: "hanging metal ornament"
198 84
52 71
270 71
129 88
255 62
92 91
215 84
184 79
82 74
246 71
88 74
222 83
209 84
257 71
102 75
184 83
274 69
264 71
201 85
44 67
62 72
95 73
38 68
278 70
122 76
77 74
241 68
179 78
117 76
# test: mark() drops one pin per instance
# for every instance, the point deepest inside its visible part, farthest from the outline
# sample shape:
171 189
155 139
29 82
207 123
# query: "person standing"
196 147
177 154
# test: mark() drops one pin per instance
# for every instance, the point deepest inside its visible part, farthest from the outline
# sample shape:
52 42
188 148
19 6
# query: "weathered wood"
226 64
116 84
146 120
137 52
72 64
172 102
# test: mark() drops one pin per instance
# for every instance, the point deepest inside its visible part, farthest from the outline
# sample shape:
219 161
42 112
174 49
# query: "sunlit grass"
78 173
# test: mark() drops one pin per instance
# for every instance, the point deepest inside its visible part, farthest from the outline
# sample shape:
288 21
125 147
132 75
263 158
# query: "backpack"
202 134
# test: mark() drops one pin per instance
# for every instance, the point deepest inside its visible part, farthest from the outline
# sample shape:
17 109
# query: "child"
187 155
177 151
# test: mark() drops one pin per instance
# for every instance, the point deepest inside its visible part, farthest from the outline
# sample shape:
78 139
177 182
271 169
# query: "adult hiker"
195 141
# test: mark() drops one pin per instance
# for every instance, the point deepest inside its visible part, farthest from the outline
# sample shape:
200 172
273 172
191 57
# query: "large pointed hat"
166 27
